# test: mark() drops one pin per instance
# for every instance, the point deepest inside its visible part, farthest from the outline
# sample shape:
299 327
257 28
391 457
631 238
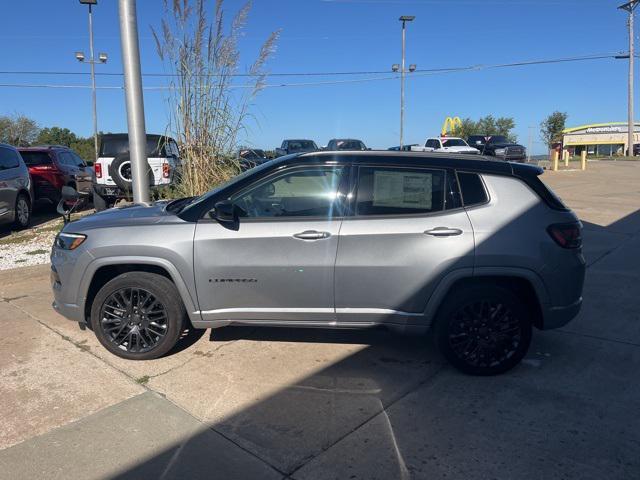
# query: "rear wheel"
483 330
22 212
138 315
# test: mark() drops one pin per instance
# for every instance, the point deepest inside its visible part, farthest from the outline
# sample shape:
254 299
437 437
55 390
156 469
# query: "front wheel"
483 330
138 315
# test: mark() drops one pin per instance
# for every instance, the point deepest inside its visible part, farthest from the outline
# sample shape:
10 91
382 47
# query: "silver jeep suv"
478 250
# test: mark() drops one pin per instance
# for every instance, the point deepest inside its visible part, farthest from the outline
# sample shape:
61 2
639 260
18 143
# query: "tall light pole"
134 100
630 7
404 19
102 58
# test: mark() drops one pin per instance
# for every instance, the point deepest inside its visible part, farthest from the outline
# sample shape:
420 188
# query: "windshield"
350 145
454 142
301 145
110 146
251 154
498 139
36 158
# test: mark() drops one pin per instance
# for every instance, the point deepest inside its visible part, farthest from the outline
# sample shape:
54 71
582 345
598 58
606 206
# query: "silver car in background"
477 250
16 199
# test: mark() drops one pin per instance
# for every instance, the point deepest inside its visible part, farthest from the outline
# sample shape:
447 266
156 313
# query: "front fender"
174 273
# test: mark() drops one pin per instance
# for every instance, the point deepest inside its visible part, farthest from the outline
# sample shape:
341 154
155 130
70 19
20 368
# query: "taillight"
166 170
43 167
98 168
567 235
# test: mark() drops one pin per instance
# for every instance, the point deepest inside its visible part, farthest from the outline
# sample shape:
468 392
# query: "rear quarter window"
472 189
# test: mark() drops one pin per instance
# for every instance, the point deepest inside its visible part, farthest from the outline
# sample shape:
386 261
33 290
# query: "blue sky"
344 35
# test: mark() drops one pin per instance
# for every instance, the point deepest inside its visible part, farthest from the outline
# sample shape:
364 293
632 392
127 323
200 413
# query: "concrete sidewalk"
274 403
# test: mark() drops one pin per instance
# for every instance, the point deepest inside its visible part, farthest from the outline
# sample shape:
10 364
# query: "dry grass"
207 109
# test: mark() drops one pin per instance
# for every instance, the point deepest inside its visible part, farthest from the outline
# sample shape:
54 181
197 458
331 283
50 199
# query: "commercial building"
599 140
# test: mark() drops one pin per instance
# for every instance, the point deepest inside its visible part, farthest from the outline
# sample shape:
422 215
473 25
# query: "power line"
327 74
388 75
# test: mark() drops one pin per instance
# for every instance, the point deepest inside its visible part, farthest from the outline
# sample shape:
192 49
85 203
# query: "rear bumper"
556 317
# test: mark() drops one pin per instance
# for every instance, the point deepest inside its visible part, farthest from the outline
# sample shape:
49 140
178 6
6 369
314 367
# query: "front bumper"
65 285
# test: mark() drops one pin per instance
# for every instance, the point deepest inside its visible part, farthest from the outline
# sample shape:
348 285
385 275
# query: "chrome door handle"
443 232
312 235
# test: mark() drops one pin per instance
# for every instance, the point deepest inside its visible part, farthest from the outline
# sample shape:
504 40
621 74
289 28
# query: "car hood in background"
133 214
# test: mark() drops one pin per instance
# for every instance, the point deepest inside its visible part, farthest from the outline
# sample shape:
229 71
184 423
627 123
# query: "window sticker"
402 189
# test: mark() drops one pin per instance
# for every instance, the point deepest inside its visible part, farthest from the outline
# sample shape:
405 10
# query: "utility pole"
92 61
630 7
134 100
404 19
530 144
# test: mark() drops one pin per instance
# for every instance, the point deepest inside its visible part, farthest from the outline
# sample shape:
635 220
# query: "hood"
134 214
504 145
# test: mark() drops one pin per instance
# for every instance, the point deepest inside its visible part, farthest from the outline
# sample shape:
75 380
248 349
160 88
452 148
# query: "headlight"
69 241
500 151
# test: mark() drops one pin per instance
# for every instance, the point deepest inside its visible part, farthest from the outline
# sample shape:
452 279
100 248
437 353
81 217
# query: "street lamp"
630 7
395 67
102 58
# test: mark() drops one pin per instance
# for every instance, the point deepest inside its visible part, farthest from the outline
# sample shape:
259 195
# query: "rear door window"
399 191
472 189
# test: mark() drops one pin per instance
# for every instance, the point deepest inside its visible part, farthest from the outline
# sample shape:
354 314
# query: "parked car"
296 146
446 145
478 250
251 157
404 148
16 193
499 146
343 144
113 167
52 167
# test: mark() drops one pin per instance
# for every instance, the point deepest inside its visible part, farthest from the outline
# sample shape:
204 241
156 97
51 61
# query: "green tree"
488 125
552 126
56 136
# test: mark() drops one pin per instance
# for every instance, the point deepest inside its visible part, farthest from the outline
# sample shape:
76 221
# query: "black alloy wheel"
484 330
133 320
138 315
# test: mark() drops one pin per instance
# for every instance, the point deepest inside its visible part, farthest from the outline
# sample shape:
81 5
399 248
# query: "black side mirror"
70 197
225 212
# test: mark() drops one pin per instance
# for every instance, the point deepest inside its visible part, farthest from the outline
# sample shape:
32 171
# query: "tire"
472 341
99 203
22 212
147 334
119 166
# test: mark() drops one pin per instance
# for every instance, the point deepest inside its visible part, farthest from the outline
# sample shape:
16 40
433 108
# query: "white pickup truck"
446 144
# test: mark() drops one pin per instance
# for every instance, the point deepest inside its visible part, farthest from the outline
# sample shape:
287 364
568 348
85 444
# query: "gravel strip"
33 251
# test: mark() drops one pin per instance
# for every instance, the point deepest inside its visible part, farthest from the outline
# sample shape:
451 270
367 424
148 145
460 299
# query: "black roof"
477 163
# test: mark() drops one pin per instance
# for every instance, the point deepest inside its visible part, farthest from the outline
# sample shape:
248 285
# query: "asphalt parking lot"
306 404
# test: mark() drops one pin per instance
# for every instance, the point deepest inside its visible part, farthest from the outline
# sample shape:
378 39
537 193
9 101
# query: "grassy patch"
143 380
15 239
37 252
56 227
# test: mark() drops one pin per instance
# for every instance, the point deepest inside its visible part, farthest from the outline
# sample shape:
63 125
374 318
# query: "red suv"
52 167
